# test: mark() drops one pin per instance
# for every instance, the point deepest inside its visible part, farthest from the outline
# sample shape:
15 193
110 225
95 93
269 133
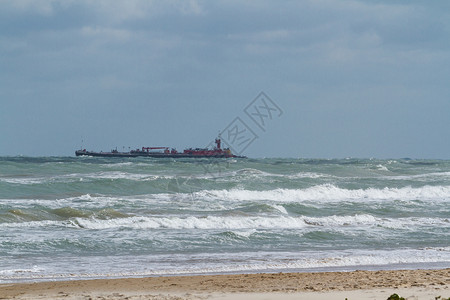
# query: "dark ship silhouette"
217 151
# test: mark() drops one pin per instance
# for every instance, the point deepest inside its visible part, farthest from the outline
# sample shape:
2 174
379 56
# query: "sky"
301 79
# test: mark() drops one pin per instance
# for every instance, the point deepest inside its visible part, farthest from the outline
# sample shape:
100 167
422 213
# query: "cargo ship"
160 152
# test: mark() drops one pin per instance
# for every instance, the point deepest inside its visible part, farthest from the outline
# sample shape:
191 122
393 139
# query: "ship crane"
154 148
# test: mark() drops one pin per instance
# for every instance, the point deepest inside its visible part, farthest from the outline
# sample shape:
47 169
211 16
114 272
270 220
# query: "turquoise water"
84 217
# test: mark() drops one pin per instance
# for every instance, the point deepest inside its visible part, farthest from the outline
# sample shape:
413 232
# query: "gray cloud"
355 67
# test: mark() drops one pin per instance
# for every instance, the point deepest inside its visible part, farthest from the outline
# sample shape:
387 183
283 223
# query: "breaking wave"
329 192
126 217
105 220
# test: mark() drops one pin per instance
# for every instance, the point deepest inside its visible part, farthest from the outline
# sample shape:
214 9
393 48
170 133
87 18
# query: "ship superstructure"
217 151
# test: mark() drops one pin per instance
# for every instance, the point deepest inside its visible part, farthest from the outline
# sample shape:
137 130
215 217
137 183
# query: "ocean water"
83 217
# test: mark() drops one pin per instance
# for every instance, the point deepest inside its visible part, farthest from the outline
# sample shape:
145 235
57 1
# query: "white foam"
280 208
204 263
18 272
84 201
333 221
238 223
121 164
329 193
24 180
258 173
210 222
125 175
73 177
33 224
426 177
382 168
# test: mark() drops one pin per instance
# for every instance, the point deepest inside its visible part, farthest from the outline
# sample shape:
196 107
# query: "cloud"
323 33
212 56
40 7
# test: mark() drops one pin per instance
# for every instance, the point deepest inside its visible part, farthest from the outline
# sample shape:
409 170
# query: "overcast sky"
340 78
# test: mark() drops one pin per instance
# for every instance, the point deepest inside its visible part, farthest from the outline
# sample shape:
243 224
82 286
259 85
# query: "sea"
67 218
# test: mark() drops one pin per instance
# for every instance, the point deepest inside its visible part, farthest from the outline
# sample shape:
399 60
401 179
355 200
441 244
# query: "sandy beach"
411 284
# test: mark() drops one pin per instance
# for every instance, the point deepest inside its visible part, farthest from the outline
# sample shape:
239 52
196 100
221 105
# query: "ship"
161 152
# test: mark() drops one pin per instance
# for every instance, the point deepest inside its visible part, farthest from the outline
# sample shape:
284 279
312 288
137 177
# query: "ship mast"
218 143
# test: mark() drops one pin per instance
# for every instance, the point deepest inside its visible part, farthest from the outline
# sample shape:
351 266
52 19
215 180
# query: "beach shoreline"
411 284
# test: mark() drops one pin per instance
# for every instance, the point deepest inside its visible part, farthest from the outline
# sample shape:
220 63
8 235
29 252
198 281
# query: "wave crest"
329 192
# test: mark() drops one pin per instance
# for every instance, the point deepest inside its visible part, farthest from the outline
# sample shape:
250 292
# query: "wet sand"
411 284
